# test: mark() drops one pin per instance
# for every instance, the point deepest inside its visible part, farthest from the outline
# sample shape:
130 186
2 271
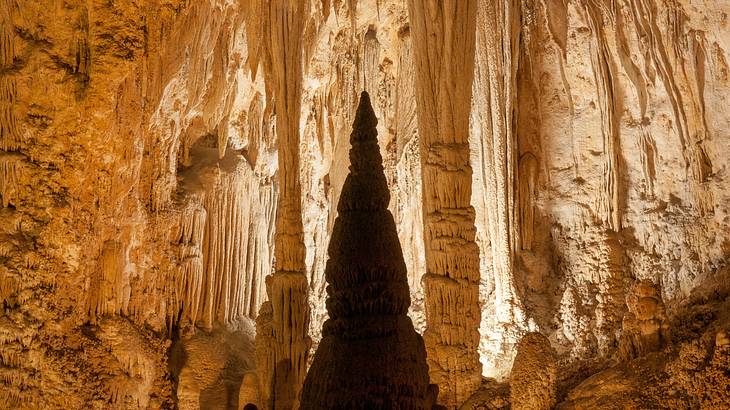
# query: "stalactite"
10 135
681 69
11 168
370 357
528 184
109 290
495 143
370 61
445 31
609 202
223 241
189 280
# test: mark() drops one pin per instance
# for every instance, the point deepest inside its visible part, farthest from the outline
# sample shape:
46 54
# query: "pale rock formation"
645 325
210 368
691 374
370 357
288 289
533 380
445 31
504 189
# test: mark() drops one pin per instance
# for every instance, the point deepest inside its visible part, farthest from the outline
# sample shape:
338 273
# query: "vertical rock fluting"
10 136
370 357
287 288
494 141
444 31
223 239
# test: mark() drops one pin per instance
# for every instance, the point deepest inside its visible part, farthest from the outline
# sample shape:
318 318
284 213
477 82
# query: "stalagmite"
370 357
287 288
645 325
444 31
249 394
533 382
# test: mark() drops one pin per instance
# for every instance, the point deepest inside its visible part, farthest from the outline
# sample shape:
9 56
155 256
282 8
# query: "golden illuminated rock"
159 159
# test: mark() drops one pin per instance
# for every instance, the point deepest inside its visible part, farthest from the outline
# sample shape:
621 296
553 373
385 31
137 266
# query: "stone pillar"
285 325
443 42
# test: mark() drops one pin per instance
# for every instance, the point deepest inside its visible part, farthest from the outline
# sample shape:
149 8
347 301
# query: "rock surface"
140 147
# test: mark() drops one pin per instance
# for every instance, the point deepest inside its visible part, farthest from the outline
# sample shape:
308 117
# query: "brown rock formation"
370 357
645 325
534 377
445 31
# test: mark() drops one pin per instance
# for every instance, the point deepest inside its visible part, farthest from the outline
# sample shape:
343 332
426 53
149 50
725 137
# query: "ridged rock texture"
284 342
451 280
147 147
370 356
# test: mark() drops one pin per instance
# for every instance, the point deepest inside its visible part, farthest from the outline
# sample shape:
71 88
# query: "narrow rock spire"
370 357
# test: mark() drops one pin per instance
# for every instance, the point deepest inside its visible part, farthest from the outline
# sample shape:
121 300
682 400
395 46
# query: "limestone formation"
534 377
287 288
503 196
645 325
145 146
446 31
370 357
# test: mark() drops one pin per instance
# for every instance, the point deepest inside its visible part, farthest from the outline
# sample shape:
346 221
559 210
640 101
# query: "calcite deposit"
534 374
554 166
645 327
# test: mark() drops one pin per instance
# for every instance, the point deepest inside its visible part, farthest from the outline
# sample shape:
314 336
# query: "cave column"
282 340
444 44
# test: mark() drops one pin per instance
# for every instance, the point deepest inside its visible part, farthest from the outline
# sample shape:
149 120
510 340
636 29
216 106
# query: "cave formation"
170 174
370 356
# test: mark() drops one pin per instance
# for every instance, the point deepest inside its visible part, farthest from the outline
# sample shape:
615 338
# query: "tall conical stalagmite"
370 357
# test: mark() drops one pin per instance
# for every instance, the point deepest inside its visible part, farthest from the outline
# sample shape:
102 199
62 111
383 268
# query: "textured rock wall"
137 190
139 168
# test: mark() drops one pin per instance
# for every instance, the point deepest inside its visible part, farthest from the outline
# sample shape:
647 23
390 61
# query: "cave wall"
140 175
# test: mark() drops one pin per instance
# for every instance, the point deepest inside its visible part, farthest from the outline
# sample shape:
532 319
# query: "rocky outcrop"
370 357
445 31
534 376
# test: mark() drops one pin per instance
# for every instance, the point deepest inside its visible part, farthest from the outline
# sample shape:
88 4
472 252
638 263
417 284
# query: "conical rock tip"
365 123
